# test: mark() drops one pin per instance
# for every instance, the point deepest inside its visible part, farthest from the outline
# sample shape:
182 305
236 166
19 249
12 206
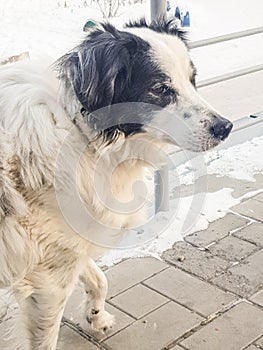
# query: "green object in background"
88 25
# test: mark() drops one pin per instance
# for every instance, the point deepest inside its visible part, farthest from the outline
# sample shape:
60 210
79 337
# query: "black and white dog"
78 136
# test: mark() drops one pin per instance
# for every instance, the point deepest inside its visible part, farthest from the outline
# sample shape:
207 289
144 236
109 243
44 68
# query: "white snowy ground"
47 28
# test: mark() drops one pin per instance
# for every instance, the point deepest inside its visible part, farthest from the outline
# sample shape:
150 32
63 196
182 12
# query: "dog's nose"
221 128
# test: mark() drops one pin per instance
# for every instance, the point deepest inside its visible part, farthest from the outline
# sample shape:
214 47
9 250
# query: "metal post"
157 9
161 180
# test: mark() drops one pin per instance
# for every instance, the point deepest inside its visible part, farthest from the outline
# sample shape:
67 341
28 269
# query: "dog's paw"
101 321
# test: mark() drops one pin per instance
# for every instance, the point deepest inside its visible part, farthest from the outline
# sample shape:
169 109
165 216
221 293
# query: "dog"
66 129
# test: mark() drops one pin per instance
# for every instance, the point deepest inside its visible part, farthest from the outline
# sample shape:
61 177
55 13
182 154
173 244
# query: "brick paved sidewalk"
206 294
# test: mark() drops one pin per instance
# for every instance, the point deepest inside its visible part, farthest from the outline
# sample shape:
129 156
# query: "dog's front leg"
96 287
42 314
42 298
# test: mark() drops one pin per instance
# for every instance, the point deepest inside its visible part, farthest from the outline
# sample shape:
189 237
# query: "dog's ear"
99 68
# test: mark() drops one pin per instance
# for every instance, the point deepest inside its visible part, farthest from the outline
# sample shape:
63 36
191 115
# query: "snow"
194 213
246 164
46 28
247 160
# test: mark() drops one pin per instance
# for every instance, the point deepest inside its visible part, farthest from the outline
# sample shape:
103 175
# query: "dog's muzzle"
221 127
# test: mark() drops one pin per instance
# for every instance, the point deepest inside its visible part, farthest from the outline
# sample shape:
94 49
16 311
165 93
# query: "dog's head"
147 65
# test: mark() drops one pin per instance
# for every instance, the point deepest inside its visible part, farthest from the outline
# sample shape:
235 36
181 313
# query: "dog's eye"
161 89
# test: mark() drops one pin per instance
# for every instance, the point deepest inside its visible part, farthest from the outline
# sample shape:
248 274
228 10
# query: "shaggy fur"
67 170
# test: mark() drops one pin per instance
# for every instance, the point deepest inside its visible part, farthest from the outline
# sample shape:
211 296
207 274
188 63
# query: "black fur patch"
161 25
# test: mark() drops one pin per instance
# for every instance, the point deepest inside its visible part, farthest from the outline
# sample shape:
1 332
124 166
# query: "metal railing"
157 9
231 75
226 37
222 39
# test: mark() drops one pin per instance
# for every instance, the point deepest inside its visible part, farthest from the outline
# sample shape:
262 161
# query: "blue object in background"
180 14
185 21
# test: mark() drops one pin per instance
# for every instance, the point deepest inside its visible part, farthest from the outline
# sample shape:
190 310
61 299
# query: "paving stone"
139 301
233 330
69 339
251 208
156 330
130 272
252 233
217 230
5 301
259 197
232 248
75 308
245 278
258 298
252 347
4 326
198 262
185 289
7 323
260 342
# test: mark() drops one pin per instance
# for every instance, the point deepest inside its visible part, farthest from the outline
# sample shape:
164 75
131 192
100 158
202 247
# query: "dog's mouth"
208 133
191 135
201 144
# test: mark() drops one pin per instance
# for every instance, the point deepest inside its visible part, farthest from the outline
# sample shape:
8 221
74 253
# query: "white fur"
42 255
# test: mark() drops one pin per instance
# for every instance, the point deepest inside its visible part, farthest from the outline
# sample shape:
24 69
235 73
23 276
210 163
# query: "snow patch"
194 213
